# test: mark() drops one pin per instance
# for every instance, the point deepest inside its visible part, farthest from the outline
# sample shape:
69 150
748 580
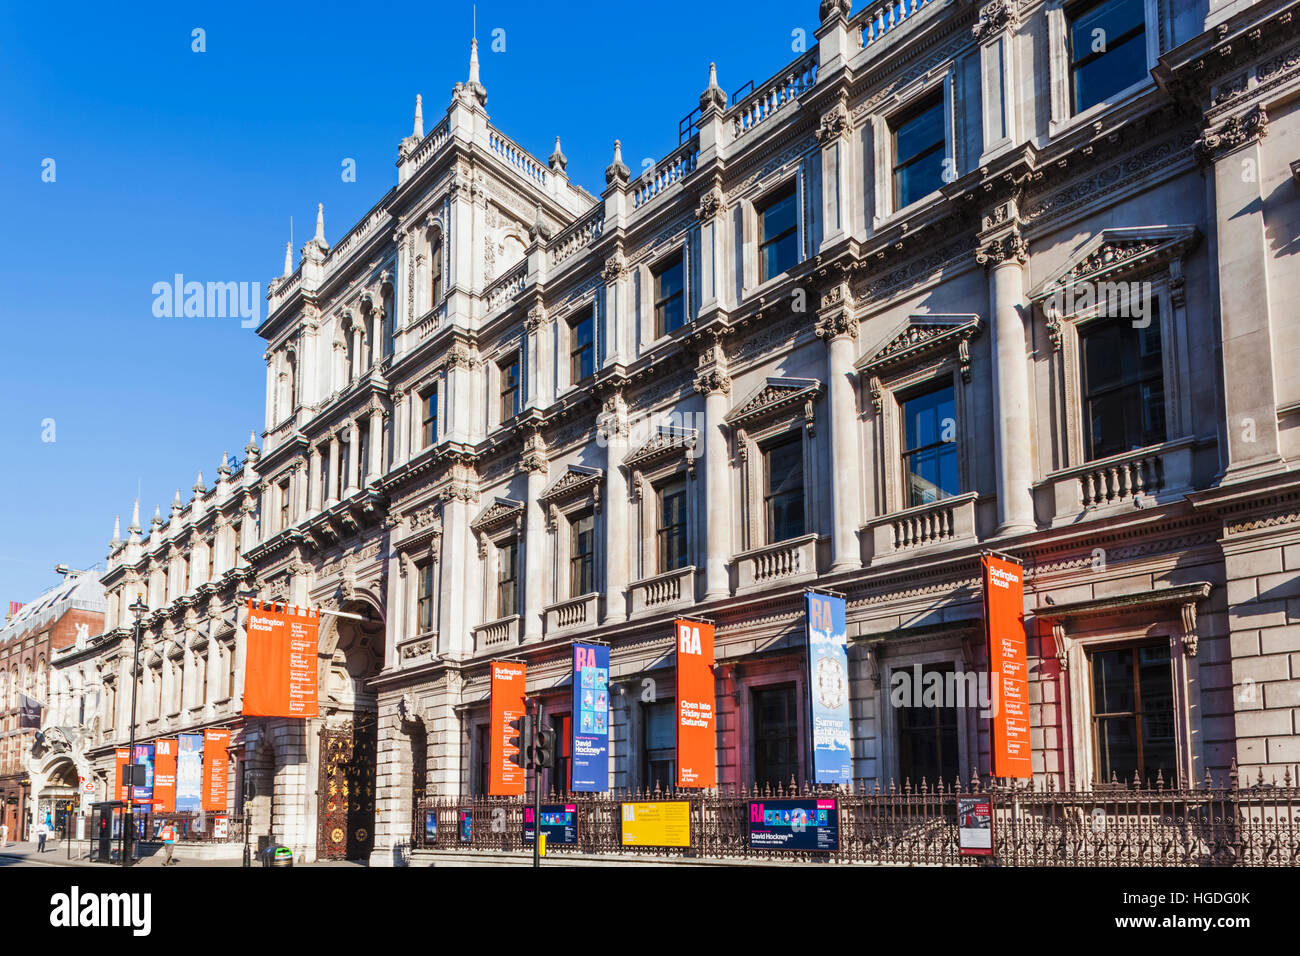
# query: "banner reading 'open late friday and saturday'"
697 764
1004 608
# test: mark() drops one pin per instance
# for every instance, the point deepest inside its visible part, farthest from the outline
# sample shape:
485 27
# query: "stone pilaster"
839 329
714 383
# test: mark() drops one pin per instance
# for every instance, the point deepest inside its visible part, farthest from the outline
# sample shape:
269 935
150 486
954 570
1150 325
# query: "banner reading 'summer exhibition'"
1004 608
590 718
164 776
280 663
696 734
189 772
828 689
505 777
215 743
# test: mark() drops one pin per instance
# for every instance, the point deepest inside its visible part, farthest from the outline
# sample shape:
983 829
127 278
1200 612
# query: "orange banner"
122 758
696 720
164 775
215 743
1004 612
505 777
280 663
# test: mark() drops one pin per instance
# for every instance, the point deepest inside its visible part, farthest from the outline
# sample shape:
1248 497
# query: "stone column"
1004 255
353 464
613 430
714 383
331 493
401 429
534 460
313 481
840 330
376 443
1242 247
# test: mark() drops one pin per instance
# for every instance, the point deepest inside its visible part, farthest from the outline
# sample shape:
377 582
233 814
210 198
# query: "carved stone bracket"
1235 131
994 17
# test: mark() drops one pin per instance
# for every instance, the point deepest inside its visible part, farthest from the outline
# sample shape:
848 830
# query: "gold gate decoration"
347 789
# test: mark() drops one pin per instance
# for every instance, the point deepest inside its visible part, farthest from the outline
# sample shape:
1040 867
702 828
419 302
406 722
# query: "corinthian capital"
710 380
1004 248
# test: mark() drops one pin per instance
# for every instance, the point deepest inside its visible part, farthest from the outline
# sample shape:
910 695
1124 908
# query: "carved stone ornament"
1003 249
774 397
711 380
534 456
834 124
993 17
837 324
833 10
615 268
535 319
710 206
1233 132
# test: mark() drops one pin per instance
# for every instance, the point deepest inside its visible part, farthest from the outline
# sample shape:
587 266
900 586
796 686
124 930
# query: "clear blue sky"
168 160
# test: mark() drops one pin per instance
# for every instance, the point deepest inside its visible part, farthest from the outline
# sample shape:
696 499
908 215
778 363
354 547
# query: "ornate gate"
346 815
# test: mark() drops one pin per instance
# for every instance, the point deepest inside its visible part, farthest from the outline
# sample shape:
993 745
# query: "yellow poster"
657 824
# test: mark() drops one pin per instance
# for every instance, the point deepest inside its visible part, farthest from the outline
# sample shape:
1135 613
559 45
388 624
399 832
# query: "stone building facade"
32 783
958 278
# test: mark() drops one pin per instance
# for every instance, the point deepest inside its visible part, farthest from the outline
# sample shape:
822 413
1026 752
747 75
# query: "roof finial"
223 471
135 518
117 532
558 160
199 486
617 171
618 151
418 130
713 75
320 223
288 258
157 515
473 60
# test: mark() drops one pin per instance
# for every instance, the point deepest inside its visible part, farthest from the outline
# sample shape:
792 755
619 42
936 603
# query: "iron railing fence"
1118 825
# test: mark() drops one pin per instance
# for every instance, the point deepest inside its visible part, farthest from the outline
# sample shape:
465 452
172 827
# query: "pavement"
59 853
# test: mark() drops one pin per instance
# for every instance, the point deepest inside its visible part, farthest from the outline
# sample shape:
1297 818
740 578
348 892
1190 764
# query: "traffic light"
544 747
521 737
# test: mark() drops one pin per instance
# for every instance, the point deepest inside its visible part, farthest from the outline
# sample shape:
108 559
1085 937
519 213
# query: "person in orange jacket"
168 835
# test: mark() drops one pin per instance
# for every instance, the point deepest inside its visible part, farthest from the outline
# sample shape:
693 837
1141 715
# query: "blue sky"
167 160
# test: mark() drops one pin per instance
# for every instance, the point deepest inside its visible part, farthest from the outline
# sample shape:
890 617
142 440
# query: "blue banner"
794 825
590 718
143 758
828 689
189 772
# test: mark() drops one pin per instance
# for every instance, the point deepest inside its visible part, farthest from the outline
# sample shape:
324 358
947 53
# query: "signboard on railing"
431 825
466 826
664 823
559 823
696 718
975 826
1004 608
590 745
828 688
794 825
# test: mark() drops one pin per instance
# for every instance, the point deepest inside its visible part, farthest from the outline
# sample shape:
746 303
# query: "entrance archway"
345 813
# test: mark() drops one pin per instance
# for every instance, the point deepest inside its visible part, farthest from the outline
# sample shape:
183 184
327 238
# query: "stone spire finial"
157 521
713 97
288 258
199 486
223 470
418 129
616 170
539 226
176 504
251 450
559 162
117 532
473 85
713 75
134 528
320 224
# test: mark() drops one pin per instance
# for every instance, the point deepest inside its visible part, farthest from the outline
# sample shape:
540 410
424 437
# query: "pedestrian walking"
42 831
168 835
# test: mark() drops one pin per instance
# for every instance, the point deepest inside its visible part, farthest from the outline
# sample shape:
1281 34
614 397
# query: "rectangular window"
659 745
582 347
927 735
776 736
670 297
778 233
783 489
429 427
1123 387
424 600
435 274
672 526
363 455
230 669
919 140
284 504
1108 50
212 557
510 406
507 577
1133 714
582 555
930 446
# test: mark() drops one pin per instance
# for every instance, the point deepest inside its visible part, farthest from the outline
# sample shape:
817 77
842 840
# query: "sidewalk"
57 854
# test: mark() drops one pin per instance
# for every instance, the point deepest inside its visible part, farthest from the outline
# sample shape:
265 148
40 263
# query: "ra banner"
122 760
215 743
143 758
164 776
1004 608
505 776
590 748
828 684
189 772
280 663
696 736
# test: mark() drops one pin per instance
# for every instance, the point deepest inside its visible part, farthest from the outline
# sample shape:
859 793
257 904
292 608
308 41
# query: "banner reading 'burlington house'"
280 663
505 777
1004 608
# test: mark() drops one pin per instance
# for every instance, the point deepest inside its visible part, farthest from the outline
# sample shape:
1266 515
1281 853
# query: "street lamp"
139 608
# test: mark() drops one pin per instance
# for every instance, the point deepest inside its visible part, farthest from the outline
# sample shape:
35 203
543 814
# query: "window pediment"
667 442
577 481
1114 253
501 512
774 397
921 337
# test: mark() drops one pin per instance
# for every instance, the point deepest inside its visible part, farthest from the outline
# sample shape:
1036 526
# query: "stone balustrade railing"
1121 481
776 563
673 169
497 634
662 591
578 236
877 20
770 97
517 157
575 612
945 521
506 287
